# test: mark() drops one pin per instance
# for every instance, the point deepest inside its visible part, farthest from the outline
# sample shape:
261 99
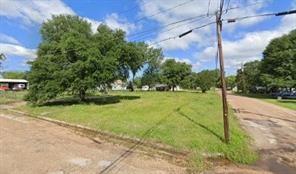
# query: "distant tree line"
175 74
276 70
14 75
72 59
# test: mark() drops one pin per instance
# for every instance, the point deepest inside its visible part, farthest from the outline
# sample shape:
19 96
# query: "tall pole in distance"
222 77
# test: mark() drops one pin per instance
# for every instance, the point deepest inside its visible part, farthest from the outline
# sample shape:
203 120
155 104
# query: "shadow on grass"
130 150
287 101
263 115
200 125
98 100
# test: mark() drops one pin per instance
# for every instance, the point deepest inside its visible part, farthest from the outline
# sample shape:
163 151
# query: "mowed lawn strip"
184 120
287 103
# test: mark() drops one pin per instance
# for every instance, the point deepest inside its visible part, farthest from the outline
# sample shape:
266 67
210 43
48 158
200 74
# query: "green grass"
287 103
11 96
184 120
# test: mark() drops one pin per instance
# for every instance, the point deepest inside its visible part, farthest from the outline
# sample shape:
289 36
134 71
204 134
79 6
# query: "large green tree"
152 75
231 81
71 58
207 79
248 77
190 81
175 72
278 67
133 57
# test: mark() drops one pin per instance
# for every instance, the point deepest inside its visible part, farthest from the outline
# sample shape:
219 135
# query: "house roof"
13 81
161 85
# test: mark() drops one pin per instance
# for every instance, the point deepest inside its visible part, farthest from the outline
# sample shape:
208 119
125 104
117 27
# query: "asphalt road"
29 146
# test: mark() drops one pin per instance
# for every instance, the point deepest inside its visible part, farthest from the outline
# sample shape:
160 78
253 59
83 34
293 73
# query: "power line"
231 20
133 7
168 24
169 29
162 11
183 34
189 31
227 8
247 5
154 29
148 32
209 4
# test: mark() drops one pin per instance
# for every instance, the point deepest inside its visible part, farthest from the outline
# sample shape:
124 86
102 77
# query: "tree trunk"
82 95
132 84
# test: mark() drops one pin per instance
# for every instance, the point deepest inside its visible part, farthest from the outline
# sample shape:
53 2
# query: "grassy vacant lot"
11 96
185 120
287 103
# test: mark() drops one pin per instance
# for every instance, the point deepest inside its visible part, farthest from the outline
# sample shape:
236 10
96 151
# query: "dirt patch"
35 146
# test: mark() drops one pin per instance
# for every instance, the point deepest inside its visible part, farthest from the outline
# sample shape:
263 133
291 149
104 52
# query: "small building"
118 85
145 88
162 87
14 84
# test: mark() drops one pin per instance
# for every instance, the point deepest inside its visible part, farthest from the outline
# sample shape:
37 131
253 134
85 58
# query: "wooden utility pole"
222 77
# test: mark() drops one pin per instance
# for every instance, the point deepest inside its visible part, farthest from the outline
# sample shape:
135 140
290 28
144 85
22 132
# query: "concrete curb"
147 146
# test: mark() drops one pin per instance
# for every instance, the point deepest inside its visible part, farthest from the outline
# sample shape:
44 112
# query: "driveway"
32 146
273 130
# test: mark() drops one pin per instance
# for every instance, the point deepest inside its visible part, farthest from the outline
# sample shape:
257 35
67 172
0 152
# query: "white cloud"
114 22
94 23
36 12
17 50
178 59
203 36
31 12
8 39
250 46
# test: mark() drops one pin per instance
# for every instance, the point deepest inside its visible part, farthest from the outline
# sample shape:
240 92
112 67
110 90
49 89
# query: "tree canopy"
278 66
174 72
276 70
207 79
231 81
73 59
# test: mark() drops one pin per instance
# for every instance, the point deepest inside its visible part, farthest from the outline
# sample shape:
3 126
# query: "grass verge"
286 103
11 96
184 120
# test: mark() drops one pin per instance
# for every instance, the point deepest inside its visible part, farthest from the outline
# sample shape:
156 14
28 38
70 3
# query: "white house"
118 85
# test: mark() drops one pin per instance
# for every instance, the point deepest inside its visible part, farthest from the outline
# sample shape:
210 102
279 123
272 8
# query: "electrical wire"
162 11
178 36
230 20
227 8
154 29
209 4
133 7
167 25
172 28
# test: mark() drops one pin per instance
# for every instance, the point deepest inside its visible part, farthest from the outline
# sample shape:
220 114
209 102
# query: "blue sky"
243 41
